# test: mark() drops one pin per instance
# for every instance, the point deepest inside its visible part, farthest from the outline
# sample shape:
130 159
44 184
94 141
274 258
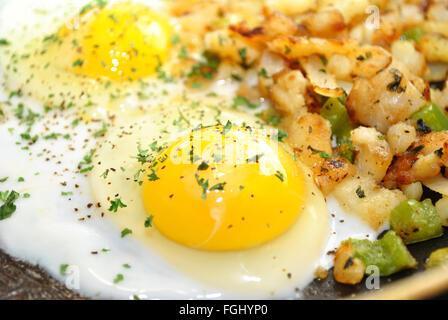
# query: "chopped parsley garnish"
263 73
181 118
203 184
227 127
65 194
322 154
55 135
4 42
118 278
183 53
101 132
3 179
87 159
78 63
125 232
361 194
21 179
142 155
115 204
243 56
395 84
155 148
153 176
127 266
86 169
148 221
63 269
281 135
203 166
241 101
279 175
8 207
218 186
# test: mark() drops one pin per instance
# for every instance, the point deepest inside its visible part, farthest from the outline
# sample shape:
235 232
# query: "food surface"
222 149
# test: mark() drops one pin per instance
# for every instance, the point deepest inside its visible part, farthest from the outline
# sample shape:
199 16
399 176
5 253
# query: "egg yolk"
121 42
223 188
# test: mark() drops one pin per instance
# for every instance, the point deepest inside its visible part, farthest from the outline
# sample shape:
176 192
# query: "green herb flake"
118 278
148 221
115 204
360 193
8 207
125 232
63 269
242 101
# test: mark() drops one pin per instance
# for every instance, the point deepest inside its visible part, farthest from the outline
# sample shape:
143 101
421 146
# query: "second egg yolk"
223 188
121 42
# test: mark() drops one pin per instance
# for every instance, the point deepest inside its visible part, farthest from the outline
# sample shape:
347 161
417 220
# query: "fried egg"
149 204
97 57
233 235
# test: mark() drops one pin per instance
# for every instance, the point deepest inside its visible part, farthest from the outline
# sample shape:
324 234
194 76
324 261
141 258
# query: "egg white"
46 228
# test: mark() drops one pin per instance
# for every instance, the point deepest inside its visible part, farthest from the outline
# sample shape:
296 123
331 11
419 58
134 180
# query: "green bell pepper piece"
433 116
413 35
389 253
437 258
416 221
336 113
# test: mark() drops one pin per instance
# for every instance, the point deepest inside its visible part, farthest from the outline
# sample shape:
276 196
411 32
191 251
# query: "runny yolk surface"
223 188
120 42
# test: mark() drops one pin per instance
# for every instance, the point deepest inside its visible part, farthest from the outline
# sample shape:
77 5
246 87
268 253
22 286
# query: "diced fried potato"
297 47
406 53
442 209
385 99
411 15
325 24
362 196
348 8
308 136
340 66
323 82
347 268
413 190
365 60
369 60
269 64
228 44
291 7
277 25
321 273
424 160
400 136
438 183
434 48
426 166
432 142
374 155
436 27
287 92
438 11
440 97
330 172
389 30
